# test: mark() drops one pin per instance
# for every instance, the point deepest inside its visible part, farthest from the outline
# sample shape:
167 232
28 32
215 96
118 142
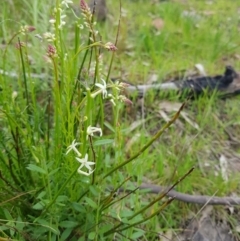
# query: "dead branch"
196 199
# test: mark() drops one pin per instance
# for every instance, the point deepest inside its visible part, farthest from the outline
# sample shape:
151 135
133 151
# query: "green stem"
24 75
60 191
148 218
149 205
118 31
159 133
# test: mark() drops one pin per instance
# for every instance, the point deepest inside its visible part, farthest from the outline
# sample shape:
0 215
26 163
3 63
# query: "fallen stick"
196 199
227 84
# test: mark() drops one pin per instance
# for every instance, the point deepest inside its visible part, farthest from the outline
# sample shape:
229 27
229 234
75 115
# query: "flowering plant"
62 150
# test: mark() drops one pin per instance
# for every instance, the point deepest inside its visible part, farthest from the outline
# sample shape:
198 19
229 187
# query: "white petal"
87 165
85 173
100 86
81 160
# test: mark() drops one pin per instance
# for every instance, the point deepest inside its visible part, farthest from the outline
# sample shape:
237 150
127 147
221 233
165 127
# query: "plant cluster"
62 162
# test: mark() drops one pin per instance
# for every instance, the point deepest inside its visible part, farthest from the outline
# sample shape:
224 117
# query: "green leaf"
35 168
91 203
91 236
78 207
94 190
41 195
10 223
3 227
137 234
20 224
39 206
103 142
126 213
109 126
45 226
53 172
105 227
68 224
66 234
62 198
7 214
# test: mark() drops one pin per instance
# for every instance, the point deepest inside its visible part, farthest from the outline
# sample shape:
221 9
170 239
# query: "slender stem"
48 127
149 217
60 191
159 133
94 158
163 194
24 75
116 41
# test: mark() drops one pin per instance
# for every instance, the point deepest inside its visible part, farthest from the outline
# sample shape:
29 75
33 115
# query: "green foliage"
53 99
47 195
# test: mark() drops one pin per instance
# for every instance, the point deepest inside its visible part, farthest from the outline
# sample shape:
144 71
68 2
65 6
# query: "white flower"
113 102
23 30
66 2
73 147
61 21
14 95
80 26
85 163
91 130
49 36
103 88
112 99
52 21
